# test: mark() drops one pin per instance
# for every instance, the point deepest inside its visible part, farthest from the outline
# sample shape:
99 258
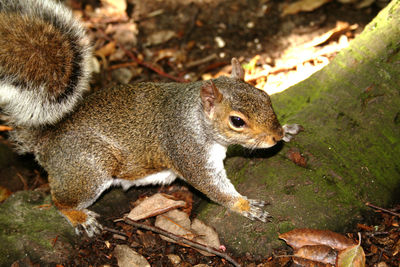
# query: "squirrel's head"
240 113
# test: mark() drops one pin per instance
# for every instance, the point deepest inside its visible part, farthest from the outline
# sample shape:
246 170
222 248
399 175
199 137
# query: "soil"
190 40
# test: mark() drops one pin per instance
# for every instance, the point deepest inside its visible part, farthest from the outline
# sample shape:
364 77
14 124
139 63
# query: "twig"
382 209
4 128
54 241
123 65
201 61
22 179
180 239
143 63
114 231
150 66
189 29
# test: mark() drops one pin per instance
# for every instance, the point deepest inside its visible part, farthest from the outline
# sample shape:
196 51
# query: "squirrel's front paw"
251 209
290 130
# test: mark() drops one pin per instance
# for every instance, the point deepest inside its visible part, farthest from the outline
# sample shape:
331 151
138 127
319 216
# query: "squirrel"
128 135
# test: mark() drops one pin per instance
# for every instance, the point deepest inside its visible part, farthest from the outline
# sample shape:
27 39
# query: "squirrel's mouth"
261 143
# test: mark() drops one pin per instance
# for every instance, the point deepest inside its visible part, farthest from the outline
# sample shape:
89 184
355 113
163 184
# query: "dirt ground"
180 40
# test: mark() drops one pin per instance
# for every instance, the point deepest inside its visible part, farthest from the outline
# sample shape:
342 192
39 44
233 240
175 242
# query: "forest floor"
279 44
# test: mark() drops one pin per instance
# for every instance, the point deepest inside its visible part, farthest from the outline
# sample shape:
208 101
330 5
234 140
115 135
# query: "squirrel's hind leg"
72 199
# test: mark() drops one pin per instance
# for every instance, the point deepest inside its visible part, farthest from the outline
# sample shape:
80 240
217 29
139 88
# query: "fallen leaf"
206 235
302 5
106 50
365 227
126 34
117 6
340 28
297 158
154 205
4 193
318 253
160 37
298 238
353 256
364 3
176 222
309 263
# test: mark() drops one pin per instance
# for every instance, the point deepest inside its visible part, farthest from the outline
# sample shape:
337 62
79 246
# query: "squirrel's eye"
237 122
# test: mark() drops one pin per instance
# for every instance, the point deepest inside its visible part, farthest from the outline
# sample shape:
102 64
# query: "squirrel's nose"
278 135
276 138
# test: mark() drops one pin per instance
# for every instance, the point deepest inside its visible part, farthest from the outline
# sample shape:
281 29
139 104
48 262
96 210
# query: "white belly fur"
163 177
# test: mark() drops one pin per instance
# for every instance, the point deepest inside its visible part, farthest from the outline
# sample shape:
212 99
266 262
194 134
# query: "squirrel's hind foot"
84 221
91 226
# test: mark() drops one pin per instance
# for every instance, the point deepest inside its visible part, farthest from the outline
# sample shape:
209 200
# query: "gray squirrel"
145 133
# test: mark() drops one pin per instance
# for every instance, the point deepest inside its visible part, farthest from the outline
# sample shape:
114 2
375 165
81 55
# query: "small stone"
175 259
127 257
220 42
122 75
250 25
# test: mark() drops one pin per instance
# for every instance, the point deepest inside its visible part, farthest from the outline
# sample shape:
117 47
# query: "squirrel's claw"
251 209
290 130
91 226
256 211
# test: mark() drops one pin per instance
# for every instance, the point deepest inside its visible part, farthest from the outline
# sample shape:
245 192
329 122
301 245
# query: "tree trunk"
350 111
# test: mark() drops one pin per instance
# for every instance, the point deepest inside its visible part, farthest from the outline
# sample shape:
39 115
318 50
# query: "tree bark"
350 111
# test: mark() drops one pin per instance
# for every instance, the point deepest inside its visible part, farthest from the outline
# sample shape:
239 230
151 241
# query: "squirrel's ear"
210 96
237 70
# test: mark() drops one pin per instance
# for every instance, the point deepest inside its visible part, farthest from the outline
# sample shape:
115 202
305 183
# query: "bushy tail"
44 61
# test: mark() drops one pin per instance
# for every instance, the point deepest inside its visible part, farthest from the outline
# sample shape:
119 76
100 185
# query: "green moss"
28 230
350 112
285 227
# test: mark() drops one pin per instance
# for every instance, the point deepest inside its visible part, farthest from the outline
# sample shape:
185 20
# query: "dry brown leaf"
298 238
206 235
178 223
319 253
340 28
4 193
154 205
160 37
125 34
297 158
115 6
353 256
106 50
310 263
302 5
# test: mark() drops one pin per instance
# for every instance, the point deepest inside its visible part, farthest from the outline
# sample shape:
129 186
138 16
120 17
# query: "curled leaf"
353 256
298 238
154 205
309 263
318 253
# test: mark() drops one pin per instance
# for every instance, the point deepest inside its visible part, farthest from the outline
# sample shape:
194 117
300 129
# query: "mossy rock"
30 227
350 112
